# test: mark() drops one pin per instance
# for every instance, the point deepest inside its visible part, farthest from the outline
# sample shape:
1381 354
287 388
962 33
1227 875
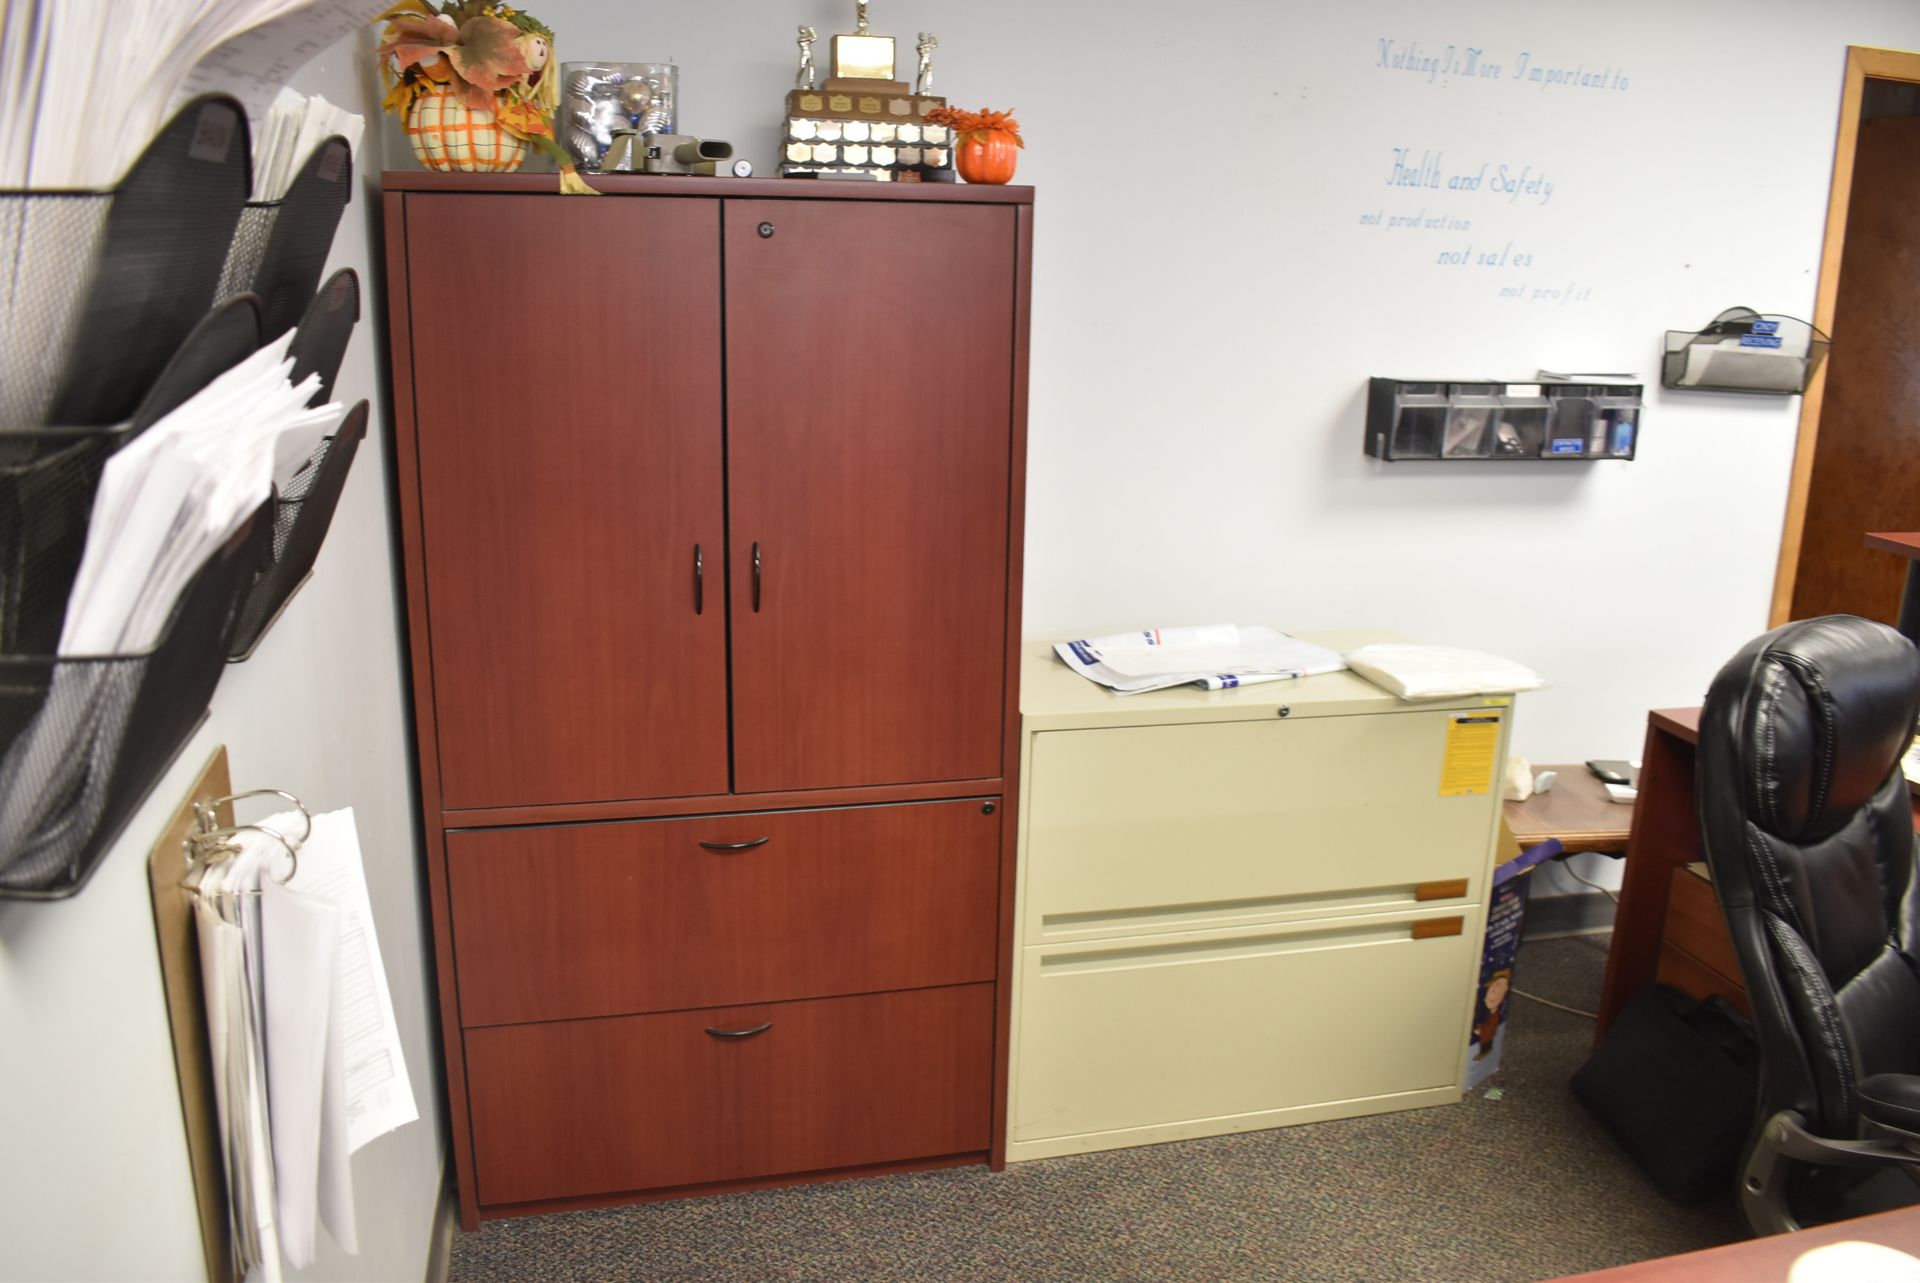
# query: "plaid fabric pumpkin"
449 136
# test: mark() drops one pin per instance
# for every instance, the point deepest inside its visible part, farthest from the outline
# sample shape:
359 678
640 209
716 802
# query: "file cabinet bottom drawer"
584 1107
1186 1033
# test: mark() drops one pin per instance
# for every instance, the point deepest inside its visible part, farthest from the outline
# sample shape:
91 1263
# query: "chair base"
1783 1143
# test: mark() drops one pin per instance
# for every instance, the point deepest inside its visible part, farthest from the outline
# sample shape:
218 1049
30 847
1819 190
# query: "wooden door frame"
1862 64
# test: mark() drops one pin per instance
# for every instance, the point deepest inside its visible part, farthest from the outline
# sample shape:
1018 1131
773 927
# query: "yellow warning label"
1473 740
1497 701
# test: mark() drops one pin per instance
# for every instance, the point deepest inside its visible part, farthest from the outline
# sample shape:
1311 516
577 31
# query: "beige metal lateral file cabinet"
1244 909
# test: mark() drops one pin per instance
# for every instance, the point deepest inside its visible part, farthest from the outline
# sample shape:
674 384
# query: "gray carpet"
1520 1187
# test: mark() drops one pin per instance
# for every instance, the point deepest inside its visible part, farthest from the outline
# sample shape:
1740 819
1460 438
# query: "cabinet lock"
766 230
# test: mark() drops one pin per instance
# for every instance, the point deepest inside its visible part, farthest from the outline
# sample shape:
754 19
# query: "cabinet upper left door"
567 388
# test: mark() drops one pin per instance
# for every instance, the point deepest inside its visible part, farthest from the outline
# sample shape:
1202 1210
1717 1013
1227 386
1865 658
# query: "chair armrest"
1892 1102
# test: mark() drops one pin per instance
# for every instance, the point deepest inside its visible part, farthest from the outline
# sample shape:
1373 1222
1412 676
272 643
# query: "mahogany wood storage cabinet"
711 498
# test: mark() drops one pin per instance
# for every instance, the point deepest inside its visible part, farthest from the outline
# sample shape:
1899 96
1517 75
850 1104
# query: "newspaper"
1213 656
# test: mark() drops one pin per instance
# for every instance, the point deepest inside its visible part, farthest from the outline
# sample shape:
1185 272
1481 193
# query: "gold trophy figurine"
805 78
923 81
863 55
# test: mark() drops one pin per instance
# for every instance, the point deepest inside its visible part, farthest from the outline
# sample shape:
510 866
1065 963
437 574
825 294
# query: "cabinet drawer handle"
727 848
699 583
738 1033
756 578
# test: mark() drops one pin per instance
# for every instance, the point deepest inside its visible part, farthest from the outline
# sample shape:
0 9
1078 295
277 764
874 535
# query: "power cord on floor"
1567 868
1557 1006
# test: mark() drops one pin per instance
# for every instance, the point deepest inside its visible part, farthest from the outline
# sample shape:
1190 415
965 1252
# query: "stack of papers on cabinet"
1215 656
1440 672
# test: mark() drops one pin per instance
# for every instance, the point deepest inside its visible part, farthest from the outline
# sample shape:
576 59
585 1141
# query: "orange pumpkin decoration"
987 157
986 143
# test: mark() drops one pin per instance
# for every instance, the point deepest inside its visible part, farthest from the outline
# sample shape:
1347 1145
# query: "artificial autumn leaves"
494 57
976 125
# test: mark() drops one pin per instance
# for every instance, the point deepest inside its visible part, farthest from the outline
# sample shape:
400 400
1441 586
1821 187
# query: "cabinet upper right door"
870 361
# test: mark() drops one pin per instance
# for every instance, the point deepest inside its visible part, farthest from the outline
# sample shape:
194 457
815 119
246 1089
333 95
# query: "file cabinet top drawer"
1054 697
575 920
1160 828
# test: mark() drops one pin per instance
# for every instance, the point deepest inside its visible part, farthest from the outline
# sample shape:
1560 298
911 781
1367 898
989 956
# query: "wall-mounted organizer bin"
320 344
1742 350
1538 419
280 247
301 515
84 738
303 511
105 285
48 476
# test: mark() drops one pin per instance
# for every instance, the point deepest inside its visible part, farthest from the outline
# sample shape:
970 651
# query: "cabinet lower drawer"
1162 828
604 919
1214 1025
645 1102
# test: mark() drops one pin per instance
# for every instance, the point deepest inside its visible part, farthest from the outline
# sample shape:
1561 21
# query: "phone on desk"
1612 771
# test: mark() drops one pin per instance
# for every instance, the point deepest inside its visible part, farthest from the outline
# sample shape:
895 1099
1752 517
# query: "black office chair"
1809 835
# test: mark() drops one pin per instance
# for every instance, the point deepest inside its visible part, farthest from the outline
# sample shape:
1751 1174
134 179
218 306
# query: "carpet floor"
1516 1185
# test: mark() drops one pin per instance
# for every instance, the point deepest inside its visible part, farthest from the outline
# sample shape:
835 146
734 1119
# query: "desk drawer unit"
564 921
1244 909
582 1107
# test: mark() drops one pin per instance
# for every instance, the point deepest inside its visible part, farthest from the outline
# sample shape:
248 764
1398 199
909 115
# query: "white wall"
94 1182
1208 306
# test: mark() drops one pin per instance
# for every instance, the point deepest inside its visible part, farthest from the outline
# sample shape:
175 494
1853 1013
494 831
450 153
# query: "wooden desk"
1665 839
1576 810
1766 1260
1904 544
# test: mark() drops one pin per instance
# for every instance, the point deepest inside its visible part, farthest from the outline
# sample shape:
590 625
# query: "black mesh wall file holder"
280 247
1742 350
301 515
83 739
320 342
48 476
100 288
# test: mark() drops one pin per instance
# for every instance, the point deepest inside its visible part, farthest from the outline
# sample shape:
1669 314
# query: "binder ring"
210 842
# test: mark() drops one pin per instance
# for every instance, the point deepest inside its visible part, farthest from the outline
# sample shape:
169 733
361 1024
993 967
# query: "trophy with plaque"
862 123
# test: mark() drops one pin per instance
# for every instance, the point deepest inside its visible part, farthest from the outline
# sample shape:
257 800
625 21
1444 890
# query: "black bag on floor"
1676 1080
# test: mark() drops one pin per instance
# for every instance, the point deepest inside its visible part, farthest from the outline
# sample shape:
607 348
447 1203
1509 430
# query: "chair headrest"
1830 707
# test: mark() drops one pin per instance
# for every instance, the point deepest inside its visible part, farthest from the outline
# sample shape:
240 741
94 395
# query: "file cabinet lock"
765 230
988 808
1283 710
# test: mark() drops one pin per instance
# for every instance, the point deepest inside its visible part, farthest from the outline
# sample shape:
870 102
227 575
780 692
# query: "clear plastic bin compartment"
1471 412
1419 420
1616 428
1570 425
1522 426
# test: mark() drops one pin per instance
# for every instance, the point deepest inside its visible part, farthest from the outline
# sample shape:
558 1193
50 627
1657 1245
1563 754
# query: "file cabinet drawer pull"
728 848
738 1033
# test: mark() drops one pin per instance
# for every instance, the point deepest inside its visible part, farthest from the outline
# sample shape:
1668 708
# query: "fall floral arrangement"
976 125
984 142
483 59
